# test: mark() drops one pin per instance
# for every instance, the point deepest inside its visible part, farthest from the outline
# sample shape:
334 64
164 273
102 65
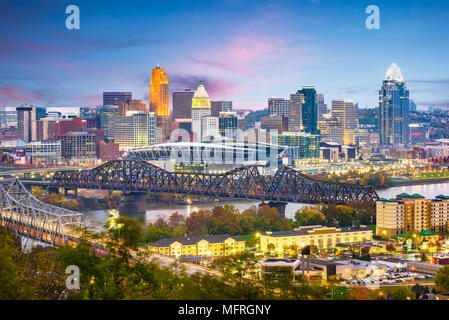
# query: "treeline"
335 215
376 179
126 272
219 220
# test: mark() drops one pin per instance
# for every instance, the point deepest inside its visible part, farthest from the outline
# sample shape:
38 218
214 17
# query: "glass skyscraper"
115 98
304 111
394 112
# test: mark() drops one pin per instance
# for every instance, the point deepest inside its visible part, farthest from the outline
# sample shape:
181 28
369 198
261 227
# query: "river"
98 218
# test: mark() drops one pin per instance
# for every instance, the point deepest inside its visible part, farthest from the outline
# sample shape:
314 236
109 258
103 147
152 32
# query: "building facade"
227 123
273 122
77 147
394 113
159 92
411 212
200 108
27 115
131 106
347 118
182 104
300 145
211 246
107 119
44 152
279 107
115 98
220 106
320 236
137 130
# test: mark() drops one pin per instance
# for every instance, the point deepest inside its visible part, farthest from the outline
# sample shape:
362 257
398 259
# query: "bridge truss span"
286 184
24 214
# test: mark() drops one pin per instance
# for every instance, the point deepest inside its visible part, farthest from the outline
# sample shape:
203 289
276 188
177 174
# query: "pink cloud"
17 94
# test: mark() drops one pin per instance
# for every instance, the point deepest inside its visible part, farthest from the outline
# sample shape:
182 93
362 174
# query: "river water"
98 218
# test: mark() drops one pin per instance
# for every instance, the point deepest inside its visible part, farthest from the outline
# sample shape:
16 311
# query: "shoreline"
415 183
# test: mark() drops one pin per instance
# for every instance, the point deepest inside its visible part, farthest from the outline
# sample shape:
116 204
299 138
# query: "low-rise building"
44 152
319 236
212 246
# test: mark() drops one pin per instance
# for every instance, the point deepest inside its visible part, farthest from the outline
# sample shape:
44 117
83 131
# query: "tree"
37 191
176 219
402 293
442 279
309 216
418 290
359 293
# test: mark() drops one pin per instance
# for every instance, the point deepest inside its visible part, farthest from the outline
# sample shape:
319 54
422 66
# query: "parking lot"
390 278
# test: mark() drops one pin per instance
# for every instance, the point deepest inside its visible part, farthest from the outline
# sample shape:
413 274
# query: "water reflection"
98 218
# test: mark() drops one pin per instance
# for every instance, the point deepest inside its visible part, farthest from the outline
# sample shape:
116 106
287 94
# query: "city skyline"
258 50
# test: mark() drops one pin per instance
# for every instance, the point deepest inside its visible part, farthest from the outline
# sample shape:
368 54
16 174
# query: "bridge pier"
279 205
133 202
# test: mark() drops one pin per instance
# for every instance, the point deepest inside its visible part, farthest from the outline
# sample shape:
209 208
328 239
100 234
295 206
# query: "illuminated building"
320 236
131 106
347 117
300 145
159 92
78 147
394 110
200 108
209 128
411 212
8 118
46 129
418 134
66 126
330 129
137 130
304 111
211 246
115 98
107 116
227 123
44 152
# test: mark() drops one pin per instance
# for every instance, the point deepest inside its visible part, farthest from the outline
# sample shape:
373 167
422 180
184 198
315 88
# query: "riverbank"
417 182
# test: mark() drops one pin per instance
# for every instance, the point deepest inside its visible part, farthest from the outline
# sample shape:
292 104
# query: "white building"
200 108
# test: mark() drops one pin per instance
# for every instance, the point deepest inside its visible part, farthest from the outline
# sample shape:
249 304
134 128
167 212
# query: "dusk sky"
244 51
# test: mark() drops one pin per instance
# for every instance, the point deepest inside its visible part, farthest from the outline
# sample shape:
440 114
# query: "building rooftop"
218 238
306 230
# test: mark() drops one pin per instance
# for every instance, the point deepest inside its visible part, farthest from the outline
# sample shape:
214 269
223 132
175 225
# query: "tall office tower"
182 104
115 98
306 100
79 147
131 106
159 92
294 116
107 116
322 107
220 106
412 105
347 116
26 121
279 107
137 130
394 110
200 108
227 123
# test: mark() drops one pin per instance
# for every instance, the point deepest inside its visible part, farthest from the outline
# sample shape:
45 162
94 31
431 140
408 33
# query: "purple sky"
244 51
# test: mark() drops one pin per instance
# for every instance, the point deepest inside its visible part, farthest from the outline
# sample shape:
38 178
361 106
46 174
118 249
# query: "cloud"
16 94
215 87
430 81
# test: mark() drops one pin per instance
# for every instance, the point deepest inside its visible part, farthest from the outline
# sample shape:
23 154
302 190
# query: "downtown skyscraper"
394 112
304 111
200 108
159 92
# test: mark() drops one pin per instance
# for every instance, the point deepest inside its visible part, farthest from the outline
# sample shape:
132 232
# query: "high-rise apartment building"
279 107
347 116
182 104
295 112
131 106
200 108
159 92
411 212
137 130
220 106
115 98
394 110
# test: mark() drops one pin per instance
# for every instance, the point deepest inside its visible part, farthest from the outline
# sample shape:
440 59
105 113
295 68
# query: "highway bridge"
139 177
